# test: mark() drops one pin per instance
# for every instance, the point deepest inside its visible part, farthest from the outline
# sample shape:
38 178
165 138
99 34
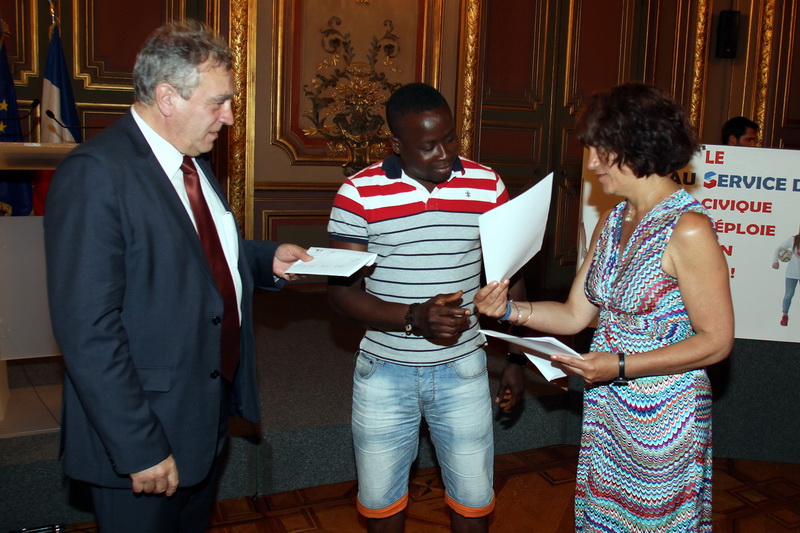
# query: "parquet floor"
534 495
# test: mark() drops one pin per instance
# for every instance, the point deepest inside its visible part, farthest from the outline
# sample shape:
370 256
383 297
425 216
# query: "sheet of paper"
332 262
513 233
538 350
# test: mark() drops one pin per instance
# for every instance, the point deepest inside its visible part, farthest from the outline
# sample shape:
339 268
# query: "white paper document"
513 233
538 350
332 262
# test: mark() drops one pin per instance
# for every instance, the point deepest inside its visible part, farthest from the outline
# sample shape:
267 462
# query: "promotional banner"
753 197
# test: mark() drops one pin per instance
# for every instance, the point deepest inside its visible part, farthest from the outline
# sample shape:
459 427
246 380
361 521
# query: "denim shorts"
389 401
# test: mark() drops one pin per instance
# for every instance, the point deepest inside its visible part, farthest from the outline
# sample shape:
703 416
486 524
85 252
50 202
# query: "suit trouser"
186 511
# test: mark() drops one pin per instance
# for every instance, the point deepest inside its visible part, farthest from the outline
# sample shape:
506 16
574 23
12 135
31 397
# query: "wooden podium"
33 156
24 314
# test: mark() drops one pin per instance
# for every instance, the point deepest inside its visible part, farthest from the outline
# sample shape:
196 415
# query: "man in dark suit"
154 321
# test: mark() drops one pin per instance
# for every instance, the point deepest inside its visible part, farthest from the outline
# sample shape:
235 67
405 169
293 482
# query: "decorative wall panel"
507 143
515 80
568 196
599 49
782 124
22 44
335 63
108 36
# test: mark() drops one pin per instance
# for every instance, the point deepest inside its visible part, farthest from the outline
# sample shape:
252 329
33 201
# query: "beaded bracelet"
508 311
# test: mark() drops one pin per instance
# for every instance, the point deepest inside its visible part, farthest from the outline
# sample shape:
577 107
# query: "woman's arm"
694 257
558 318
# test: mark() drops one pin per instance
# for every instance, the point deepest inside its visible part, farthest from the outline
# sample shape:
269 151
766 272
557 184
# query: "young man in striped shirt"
422 354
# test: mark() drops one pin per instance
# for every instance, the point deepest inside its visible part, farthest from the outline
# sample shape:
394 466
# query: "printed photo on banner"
752 195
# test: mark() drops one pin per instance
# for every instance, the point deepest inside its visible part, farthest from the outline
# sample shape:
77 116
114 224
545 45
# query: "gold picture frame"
396 42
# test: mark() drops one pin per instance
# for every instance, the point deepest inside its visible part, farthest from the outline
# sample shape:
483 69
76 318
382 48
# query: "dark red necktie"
209 238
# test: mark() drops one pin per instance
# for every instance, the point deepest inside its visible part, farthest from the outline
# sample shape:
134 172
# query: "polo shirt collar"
391 167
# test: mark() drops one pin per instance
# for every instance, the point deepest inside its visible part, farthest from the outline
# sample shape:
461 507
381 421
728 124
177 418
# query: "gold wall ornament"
699 67
469 39
240 144
764 61
347 97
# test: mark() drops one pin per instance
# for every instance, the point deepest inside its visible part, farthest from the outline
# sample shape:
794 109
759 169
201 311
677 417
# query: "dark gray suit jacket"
134 309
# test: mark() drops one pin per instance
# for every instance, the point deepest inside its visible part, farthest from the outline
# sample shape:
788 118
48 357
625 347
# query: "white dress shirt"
171 160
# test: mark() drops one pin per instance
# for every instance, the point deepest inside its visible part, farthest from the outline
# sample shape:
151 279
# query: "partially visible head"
411 98
740 131
173 54
423 132
184 86
640 127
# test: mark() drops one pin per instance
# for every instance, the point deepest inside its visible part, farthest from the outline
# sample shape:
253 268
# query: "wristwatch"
621 380
409 319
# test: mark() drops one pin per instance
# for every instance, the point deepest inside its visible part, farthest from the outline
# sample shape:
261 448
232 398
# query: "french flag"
57 98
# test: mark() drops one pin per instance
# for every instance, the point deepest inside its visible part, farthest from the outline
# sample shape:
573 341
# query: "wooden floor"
534 494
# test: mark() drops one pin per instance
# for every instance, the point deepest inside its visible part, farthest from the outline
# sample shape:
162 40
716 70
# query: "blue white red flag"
57 97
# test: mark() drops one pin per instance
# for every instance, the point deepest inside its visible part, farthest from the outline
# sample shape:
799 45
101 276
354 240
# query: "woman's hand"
594 368
492 299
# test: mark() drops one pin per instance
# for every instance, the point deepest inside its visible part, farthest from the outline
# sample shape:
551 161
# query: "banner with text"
753 197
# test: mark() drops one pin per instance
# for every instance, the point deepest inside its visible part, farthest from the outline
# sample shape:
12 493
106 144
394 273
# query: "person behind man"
421 355
740 131
150 287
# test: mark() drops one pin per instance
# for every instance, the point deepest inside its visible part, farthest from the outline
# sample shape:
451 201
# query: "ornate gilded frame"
288 101
243 41
765 45
469 41
241 168
764 61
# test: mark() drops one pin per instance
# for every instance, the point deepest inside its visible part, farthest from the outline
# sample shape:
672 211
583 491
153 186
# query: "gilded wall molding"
764 60
468 73
241 147
22 27
298 64
699 65
89 21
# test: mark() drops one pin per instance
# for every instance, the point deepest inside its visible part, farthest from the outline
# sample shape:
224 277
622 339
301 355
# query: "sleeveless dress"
645 459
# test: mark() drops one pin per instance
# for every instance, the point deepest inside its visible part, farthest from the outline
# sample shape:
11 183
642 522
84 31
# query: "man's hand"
285 256
512 387
159 479
442 317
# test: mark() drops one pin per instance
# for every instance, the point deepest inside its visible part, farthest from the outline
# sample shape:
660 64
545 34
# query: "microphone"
52 115
34 105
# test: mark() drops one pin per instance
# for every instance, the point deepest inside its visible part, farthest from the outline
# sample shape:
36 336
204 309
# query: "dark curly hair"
411 98
638 126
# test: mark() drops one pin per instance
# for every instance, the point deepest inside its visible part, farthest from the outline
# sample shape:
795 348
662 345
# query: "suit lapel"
154 173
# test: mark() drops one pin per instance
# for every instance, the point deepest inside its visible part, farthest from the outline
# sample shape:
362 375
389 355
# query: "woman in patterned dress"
657 284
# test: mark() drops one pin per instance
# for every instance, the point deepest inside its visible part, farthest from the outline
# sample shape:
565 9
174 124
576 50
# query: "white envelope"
538 350
332 262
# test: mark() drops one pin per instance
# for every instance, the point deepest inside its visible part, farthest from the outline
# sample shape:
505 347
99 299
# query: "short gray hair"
172 54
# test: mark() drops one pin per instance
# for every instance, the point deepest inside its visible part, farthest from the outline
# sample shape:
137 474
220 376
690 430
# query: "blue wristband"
508 312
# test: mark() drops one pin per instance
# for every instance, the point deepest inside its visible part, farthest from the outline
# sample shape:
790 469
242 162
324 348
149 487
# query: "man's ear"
396 143
166 98
733 140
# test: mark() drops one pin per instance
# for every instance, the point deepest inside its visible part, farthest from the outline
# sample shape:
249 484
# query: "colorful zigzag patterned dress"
645 459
